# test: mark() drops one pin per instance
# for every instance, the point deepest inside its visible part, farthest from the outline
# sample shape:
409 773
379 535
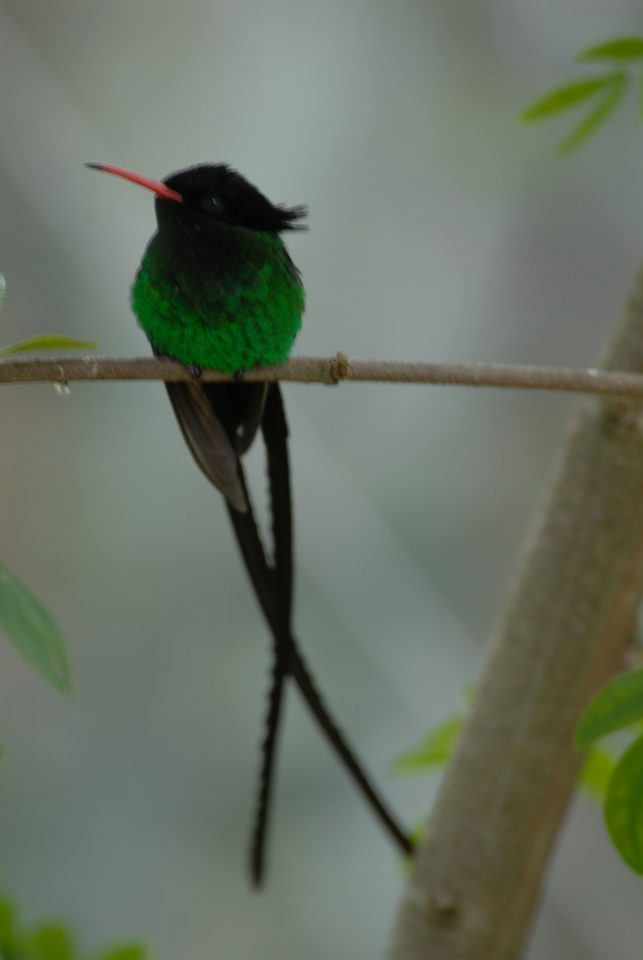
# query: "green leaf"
51 942
47 341
569 95
617 705
596 773
594 118
126 951
623 48
32 631
8 926
435 750
624 806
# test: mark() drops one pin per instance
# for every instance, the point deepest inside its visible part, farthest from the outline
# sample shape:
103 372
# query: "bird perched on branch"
216 288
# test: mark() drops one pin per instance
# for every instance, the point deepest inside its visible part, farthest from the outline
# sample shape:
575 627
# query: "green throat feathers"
245 310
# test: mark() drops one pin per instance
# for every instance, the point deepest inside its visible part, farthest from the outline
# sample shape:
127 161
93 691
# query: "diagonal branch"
332 370
477 877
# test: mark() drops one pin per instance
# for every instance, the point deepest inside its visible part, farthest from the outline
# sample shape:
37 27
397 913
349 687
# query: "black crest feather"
218 188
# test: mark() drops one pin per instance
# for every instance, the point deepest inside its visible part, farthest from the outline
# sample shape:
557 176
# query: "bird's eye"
211 203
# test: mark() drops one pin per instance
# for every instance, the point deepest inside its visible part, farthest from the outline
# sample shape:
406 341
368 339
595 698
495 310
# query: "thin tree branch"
477 877
332 370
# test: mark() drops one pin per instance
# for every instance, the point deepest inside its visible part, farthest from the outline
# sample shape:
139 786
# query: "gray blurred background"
440 229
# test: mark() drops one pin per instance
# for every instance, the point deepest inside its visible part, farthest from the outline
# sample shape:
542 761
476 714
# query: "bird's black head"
223 194
213 193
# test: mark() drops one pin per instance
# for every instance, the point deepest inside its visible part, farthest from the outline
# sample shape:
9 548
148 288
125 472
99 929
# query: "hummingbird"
217 289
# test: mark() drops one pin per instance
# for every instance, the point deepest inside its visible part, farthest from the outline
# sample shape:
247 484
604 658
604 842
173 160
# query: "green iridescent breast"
228 313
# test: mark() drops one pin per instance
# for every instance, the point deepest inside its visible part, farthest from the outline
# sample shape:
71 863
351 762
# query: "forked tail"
273 586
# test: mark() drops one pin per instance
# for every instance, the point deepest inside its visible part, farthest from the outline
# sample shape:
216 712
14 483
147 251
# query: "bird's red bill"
160 189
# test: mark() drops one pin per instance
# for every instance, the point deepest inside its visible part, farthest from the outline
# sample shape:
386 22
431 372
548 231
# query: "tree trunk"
477 877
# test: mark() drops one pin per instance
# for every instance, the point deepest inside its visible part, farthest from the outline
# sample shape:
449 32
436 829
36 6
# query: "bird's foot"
239 376
194 370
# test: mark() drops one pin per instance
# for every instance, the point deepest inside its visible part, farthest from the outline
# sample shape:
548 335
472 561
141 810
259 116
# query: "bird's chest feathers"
226 309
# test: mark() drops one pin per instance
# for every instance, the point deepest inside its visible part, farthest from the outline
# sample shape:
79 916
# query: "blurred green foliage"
51 941
618 706
434 750
32 631
46 341
623 807
603 93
